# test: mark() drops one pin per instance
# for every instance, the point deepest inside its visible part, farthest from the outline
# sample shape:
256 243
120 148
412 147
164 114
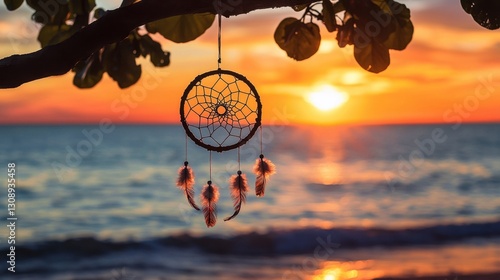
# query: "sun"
326 98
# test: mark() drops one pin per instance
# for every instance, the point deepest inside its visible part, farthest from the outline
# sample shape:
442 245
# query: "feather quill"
239 187
263 169
185 182
209 198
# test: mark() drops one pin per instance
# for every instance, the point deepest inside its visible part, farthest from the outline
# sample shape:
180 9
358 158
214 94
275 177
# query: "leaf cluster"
371 26
60 19
485 12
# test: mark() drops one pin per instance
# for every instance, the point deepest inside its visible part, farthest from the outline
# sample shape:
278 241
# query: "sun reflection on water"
337 274
329 173
334 270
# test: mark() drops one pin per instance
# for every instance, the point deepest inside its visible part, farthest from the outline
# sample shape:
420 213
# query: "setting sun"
326 98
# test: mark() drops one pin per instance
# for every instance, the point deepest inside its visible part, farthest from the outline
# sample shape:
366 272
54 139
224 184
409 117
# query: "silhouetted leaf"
298 39
399 15
158 57
81 7
373 56
53 34
330 11
135 38
345 35
299 8
61 16
63 35
366 15
329 16
13 4
33 4
338 7
183 28
80 21
88 72
362 9
484 12
119 62
49 11
99 12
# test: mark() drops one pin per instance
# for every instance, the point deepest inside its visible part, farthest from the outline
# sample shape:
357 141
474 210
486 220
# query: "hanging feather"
209 198
263 168
239 186
185 182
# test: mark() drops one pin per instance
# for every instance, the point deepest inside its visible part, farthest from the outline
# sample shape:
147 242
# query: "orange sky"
449 73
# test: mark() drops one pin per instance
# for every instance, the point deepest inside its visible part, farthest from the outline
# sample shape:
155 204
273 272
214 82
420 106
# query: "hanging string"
239 162
186 147
261 149
210 163
219 16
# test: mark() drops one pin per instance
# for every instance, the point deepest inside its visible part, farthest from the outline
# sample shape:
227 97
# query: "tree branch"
60 58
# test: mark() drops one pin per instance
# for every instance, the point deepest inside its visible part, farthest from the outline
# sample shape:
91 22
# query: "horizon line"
264 124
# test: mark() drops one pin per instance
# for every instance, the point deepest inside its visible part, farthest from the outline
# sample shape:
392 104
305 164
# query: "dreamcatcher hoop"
220 110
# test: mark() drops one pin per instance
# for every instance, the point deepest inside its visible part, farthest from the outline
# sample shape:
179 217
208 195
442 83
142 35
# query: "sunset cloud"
449 58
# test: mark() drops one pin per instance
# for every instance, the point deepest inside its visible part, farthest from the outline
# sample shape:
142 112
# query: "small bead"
209 183
186 163
239 172
261 156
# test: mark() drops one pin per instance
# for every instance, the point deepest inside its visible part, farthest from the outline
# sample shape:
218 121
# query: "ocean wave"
272 243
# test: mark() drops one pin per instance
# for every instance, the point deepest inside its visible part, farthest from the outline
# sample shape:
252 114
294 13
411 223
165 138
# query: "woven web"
221 110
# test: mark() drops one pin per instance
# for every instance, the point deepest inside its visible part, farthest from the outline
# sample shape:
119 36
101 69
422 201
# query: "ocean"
347 202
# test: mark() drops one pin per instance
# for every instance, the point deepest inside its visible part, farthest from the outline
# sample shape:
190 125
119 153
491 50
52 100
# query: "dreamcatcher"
221 110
